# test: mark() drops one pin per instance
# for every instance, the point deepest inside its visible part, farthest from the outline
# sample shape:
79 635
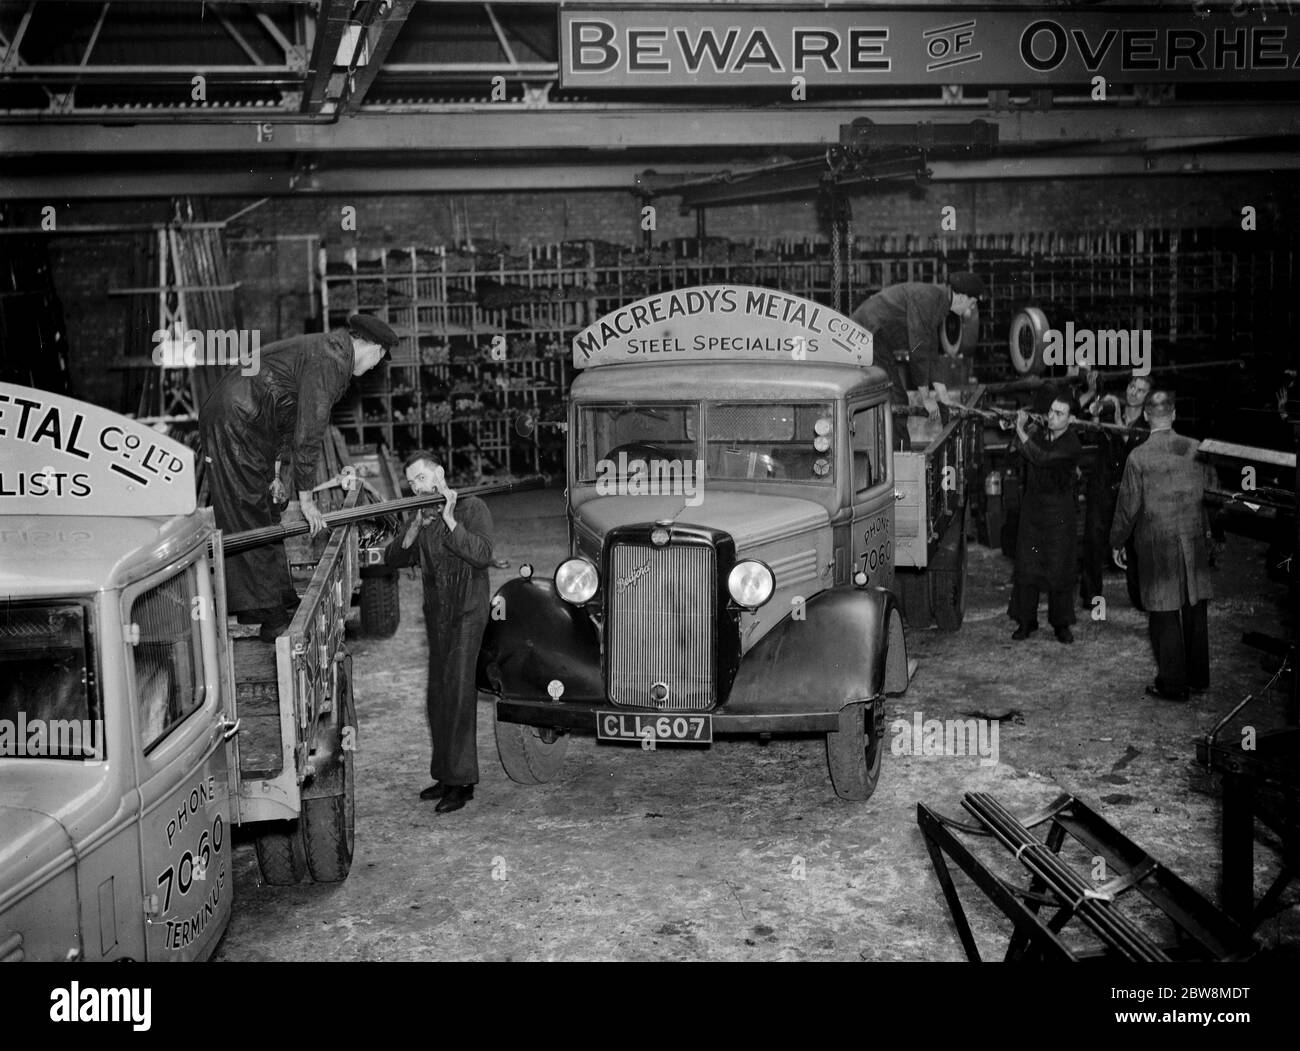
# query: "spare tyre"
960 335
1028 338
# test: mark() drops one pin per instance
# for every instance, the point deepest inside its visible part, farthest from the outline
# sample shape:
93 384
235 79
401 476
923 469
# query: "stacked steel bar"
1111 925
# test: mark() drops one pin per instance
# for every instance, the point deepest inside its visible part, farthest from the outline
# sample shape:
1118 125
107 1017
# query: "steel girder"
516 127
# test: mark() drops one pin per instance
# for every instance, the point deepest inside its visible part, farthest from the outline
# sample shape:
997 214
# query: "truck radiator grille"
662 620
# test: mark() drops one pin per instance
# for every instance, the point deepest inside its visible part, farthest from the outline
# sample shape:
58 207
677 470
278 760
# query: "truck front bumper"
580 716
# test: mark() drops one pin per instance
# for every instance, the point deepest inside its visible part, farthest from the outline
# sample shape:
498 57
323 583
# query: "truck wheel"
853 755
328 821
281 855
527 755
380 608
914 596
948 580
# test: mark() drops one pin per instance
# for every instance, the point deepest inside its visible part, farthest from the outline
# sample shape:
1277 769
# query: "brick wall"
272 273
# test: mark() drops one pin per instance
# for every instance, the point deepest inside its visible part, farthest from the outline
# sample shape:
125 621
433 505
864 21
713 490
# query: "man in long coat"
250 421
1045 544
453 548
1161 505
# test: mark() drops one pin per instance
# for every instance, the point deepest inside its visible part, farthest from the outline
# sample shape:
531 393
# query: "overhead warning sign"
59 456
722 323
720 45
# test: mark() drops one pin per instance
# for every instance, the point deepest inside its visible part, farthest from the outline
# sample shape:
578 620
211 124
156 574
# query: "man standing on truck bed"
453 548
248 422
906 319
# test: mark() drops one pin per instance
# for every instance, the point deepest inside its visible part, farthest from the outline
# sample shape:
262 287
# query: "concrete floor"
742 851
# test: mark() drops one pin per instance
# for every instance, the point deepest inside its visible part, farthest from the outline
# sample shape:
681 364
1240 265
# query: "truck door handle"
227 729
898 494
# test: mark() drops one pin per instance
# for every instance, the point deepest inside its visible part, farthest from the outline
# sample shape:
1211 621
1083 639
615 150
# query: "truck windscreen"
48 707
746 441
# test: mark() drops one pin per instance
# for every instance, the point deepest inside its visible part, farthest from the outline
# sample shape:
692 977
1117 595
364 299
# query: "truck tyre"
948 577
525 753
1028 340
914 596
328 821
281 855
853 755
380 607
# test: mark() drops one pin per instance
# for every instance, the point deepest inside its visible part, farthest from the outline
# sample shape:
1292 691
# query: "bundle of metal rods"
237 542
1111 925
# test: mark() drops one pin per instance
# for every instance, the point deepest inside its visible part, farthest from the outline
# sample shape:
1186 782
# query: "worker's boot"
455 798
277 623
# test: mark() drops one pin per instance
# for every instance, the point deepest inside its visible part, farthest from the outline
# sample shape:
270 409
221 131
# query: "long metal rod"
236 542
1035 382
1005 416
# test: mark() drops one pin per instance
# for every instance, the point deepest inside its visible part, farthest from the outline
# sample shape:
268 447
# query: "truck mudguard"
534 638
842 645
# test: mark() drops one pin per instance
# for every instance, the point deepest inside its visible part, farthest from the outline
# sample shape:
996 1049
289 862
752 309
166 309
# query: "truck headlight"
576 580
751 583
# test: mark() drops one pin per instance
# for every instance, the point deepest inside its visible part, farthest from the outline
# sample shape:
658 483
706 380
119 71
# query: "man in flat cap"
248 422
905 321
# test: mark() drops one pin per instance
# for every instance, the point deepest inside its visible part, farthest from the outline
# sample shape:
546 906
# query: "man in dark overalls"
250 421
1046 542
453 548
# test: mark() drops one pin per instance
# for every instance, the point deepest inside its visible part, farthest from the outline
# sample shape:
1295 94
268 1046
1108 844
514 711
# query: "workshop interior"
812 481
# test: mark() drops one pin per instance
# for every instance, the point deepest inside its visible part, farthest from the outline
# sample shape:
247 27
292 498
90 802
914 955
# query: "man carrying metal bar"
1045 543
453 548
1161 506
248 421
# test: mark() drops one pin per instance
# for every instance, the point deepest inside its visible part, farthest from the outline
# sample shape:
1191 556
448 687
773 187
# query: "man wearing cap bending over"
249 422
905 321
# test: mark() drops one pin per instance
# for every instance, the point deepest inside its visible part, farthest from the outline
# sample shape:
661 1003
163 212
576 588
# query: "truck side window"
870 455
169 666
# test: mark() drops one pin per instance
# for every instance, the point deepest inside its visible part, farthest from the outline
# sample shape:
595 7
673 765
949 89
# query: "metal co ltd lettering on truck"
708 324
57 447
